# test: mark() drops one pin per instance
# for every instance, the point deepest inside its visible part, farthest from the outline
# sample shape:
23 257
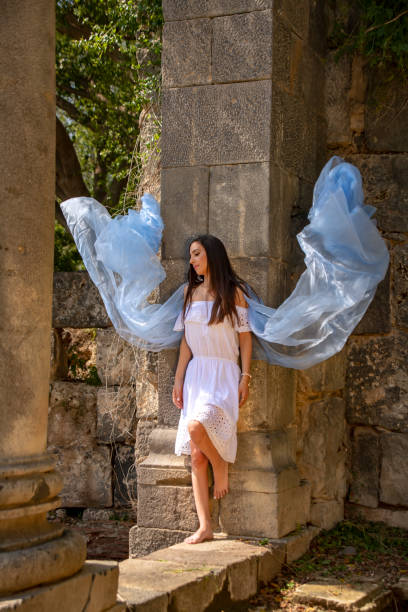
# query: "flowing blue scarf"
345 259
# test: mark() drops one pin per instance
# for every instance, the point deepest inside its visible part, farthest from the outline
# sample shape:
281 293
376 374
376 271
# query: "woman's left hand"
243 390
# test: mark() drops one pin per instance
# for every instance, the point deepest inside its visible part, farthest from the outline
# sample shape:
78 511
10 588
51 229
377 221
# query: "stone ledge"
365 595
219 573
77 302
186 577
297 545
393 517
400 589
92 588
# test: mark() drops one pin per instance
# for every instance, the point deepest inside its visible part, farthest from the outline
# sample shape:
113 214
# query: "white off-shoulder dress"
210 392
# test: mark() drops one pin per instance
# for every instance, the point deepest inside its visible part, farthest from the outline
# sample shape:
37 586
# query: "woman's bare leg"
199 436
199 477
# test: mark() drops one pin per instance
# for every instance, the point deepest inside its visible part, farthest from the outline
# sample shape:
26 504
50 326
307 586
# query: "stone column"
243 141
32 551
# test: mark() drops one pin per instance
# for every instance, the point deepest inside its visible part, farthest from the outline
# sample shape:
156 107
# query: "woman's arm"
184 357
245 347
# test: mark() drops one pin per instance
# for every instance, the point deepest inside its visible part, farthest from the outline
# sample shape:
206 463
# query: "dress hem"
212 438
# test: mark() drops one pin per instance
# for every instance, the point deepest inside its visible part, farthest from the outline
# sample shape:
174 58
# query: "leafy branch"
108 69
107 73
377 30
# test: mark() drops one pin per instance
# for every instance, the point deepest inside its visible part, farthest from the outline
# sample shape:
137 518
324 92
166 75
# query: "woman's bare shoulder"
240 298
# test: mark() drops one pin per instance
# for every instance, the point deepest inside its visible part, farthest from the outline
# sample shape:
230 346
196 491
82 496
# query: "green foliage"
353 549
376 29
93 377
108 58
79 370
371 541
290 585
117 516
365 536
107 65
66 256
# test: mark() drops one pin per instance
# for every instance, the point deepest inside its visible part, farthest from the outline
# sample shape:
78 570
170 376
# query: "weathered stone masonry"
98 433
367 125
243 138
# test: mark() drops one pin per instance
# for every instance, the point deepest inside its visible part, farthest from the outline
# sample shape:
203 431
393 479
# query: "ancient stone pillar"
243 140
32 550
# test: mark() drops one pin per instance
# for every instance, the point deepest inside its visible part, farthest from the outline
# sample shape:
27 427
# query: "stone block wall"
243 140
103 402
322 438
367 126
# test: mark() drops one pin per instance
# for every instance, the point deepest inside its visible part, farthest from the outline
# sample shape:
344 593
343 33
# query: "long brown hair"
224 281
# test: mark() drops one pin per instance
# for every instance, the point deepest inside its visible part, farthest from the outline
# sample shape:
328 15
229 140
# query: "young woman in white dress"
209 386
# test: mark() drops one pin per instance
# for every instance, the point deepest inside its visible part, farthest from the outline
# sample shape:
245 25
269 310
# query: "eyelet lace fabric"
221 431
243 321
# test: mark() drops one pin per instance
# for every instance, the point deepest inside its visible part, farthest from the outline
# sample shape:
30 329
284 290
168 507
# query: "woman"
209 386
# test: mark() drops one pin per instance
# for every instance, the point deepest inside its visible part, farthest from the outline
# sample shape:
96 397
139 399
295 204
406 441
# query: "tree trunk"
68 181
115 191
100 173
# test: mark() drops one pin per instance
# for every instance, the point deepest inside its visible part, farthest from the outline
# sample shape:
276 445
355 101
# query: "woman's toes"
221 493
199 536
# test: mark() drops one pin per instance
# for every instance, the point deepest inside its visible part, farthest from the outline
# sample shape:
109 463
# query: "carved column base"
94 587
32 550
48 562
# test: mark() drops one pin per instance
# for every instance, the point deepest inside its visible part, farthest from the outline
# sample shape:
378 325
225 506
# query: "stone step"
187 577
365 595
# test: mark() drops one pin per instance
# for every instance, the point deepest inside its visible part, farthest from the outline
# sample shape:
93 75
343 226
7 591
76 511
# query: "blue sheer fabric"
345 259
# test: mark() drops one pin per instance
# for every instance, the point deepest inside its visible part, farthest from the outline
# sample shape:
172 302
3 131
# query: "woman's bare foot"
202 534
220 470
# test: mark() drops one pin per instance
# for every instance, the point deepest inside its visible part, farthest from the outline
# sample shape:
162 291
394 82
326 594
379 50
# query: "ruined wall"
103 402
245 137
367 126
322 439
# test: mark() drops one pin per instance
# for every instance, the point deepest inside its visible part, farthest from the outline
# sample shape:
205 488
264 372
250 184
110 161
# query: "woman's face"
198 258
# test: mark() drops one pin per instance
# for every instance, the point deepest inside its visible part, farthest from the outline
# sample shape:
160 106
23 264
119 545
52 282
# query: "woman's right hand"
178 394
